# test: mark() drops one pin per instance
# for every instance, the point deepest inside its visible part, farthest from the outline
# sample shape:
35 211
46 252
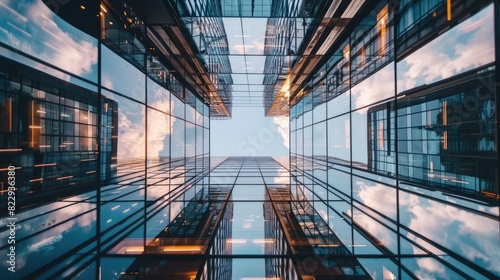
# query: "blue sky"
248 133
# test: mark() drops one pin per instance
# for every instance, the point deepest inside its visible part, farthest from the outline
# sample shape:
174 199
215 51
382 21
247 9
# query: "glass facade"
392 173
67 129
98 125
395 139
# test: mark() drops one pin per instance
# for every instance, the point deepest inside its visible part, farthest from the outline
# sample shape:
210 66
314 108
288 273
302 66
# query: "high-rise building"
105 115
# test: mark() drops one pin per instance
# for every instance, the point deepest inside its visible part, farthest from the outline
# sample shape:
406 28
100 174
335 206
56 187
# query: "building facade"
105 111
395 137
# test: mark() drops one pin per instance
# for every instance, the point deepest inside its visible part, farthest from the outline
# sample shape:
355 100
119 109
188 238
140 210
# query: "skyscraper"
105 163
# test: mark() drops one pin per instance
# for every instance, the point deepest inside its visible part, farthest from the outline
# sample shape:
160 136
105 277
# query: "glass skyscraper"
105 163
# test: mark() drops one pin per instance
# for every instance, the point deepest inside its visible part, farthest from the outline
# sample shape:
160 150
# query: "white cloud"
283 127
106 82
47 40
259 46
175 208
375 88
60 48
430 268
283 177
462 48
378 197
157 191
477 237
50 234
159 127
468 234
131 136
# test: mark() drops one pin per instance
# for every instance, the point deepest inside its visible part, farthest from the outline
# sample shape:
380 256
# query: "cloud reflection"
470 235
374 88
473 236
283 127
283 177
132 136
52 228
464 47
48 38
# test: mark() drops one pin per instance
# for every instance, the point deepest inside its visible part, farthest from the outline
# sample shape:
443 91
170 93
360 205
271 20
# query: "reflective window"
374 89
32 28
178 138
378 233
481 233
131 130
377 196
158 96
319 139
372 43
360 138
440 137
49 132
123 31
338 78
413 12
190 140
462 48
178 107
339 105
381 133
159 130
199 140
121 76
340 181
339 138
308 141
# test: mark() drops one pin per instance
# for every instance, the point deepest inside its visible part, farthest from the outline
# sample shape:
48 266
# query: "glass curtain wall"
397 141
95 117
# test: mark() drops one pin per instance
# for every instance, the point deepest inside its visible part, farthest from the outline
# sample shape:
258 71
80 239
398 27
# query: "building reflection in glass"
49 133
177 251
446 138
411 143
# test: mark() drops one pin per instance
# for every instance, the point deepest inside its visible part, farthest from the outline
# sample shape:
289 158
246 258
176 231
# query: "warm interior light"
36 180
263 241
383 17
346 52
182 249
134 249
328 245
10 150
45 164
381 139
82 7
